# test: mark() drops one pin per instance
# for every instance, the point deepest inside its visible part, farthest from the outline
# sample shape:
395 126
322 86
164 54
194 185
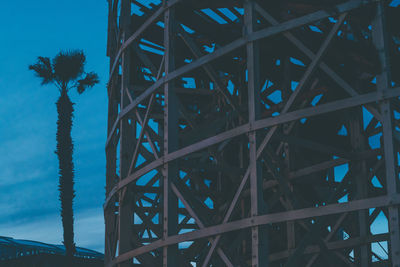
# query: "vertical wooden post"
286 91
258 234
383 82
359 170
111 168
126 142
170 201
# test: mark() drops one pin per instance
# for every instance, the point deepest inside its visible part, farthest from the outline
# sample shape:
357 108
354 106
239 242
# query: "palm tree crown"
66 71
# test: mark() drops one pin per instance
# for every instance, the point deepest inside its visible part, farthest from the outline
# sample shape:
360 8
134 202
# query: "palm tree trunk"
66 170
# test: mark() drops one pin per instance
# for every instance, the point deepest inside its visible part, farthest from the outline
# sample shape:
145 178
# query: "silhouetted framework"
253 133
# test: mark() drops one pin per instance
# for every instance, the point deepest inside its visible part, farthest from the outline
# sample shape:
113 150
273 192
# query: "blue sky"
28 166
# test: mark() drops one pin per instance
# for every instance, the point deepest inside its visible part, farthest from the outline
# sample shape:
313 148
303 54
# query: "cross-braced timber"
253 133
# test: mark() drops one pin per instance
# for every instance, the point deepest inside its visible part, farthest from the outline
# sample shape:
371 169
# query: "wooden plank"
265 219
260 124
140 31
270 31
334 245
125 218
259 240
208 68
170 173
383 84
305 79
324 67
199 222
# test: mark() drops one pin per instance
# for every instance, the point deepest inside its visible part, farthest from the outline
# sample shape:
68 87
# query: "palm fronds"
90 80
43 69
66 70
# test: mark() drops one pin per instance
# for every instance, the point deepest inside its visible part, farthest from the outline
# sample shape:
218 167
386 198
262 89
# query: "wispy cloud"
29 201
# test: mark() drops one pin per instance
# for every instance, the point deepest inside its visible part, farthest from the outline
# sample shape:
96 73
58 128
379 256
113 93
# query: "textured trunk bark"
66 170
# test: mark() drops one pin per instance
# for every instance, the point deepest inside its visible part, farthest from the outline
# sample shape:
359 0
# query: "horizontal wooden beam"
139 32
268 32
335 245
262 220
259 124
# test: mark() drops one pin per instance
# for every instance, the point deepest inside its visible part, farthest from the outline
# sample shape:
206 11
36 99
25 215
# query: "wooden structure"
253 133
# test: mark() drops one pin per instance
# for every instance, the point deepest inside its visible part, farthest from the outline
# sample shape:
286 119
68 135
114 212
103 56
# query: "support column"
111 178
170 201
258 233
362 254
126 143
111 168
383 82
286 91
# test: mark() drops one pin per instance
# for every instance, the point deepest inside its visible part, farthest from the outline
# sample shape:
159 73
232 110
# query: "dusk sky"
28 165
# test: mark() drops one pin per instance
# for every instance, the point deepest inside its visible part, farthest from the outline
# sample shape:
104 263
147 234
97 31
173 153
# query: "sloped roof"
11 248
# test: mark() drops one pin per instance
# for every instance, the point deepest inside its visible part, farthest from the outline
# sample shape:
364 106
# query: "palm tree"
65 71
